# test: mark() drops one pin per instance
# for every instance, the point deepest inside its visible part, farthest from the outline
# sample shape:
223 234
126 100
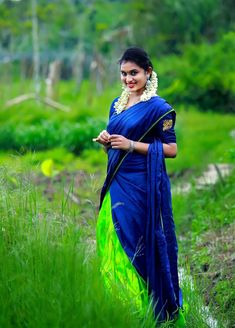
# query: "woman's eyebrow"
131 70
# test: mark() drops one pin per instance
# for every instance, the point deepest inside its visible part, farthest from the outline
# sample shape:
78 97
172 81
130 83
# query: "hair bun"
138 56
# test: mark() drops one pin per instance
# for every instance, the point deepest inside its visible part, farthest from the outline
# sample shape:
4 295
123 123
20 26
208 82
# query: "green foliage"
82 104
34 126
225 300
86 30
170 24
205 218
48 274
48 134
214 209
202 138
92 160
203 76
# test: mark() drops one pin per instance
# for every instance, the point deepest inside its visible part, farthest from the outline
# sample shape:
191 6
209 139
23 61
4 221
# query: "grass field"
49 275
205 224
49 269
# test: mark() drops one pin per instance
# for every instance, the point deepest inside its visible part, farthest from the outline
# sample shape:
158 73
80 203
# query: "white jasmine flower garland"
149 92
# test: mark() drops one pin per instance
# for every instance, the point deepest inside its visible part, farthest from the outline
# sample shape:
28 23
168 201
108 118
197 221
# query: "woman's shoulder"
161 104
159 101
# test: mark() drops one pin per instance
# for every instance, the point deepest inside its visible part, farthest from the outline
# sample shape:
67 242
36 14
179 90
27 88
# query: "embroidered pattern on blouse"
167 124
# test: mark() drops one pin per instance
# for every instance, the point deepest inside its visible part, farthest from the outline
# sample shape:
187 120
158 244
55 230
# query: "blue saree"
139 190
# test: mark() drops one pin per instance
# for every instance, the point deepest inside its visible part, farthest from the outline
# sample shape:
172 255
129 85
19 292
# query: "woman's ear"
149 71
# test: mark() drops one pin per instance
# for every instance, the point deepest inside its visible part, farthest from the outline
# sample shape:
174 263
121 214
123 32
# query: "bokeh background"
58 75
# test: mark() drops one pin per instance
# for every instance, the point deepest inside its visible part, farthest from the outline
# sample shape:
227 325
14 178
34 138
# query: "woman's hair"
137 56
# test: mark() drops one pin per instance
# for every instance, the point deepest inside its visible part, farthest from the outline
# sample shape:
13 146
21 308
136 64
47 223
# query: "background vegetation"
58 76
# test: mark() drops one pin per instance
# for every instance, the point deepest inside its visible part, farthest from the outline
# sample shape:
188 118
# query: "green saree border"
119 273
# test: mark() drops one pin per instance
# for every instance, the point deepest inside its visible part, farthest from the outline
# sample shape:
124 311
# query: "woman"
135 229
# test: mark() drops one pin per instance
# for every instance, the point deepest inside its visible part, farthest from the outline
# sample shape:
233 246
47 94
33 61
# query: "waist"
134 162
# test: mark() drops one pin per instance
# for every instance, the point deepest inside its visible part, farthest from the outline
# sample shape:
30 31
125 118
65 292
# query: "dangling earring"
148 83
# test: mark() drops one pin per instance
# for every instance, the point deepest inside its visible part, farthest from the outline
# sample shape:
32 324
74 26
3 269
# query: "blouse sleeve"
165 129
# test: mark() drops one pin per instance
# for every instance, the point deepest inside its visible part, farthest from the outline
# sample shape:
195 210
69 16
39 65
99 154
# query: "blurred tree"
203 75
90 35
86 32
169 24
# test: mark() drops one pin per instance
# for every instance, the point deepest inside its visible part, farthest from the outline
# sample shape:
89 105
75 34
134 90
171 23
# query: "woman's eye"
123 73
133 73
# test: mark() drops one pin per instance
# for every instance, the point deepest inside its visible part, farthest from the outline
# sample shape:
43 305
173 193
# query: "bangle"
132 146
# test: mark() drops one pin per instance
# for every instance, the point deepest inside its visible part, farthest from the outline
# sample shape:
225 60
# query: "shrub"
49 134
203 76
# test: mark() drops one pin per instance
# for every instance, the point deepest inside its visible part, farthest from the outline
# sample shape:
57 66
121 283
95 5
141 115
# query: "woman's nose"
129 78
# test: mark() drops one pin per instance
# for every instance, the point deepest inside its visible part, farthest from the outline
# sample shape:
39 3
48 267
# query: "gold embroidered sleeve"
167 124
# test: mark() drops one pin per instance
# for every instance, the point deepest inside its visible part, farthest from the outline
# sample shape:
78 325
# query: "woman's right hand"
103 138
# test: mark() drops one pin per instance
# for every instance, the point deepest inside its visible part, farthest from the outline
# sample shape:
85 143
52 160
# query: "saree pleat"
118 271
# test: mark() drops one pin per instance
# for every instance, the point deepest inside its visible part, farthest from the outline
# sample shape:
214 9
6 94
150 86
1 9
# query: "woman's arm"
170 150
119 142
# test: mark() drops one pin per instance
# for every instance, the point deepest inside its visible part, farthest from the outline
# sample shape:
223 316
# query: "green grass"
82 103
202 138
91 161
205 222
44 253
48 274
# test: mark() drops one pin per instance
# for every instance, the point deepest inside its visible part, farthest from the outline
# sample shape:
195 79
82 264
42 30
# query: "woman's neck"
134 98
136 94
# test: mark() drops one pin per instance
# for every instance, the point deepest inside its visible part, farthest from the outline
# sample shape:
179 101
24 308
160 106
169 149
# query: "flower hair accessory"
149 92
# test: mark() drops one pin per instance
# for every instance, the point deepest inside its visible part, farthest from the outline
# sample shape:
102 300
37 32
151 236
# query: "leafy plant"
75 137
204 75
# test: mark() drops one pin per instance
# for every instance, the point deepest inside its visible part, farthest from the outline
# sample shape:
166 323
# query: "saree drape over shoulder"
140 204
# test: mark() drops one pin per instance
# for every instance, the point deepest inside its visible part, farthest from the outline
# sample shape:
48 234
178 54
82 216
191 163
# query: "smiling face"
134 77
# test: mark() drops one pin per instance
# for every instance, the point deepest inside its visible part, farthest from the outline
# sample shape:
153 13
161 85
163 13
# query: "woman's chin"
135 90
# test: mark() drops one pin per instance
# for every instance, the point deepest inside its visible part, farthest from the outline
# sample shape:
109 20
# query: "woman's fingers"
116 141
103 137
119 142
115 137
113 144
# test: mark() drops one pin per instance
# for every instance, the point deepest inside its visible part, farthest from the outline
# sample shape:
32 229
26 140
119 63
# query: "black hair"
137 56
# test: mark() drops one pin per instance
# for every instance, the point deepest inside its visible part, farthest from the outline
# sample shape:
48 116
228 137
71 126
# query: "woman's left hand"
119 142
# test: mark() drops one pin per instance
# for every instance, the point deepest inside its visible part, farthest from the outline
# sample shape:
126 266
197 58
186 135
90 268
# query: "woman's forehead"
129 66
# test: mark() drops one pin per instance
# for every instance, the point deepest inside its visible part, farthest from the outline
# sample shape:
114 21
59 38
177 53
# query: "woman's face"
134 77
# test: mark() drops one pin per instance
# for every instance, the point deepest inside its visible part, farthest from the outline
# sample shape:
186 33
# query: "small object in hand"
94 139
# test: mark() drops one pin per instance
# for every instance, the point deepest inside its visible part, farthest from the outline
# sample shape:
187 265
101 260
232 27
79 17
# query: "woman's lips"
130 86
